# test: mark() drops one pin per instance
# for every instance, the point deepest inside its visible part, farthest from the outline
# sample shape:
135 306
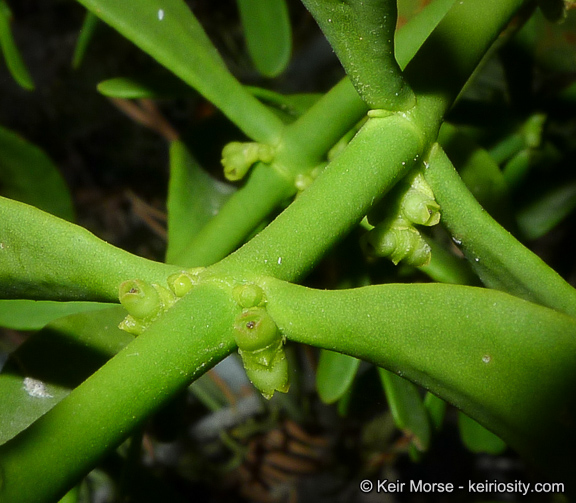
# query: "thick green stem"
497 257
380 154
507 363
362 35
45 460
45 258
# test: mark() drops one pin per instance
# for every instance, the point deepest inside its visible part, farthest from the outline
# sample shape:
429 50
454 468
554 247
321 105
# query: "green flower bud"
418 204
420 211
237 158
255 330
260 345
180 283
139 298
248 295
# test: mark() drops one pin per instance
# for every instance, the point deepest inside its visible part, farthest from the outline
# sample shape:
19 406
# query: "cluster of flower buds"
238 157
395 236
145 302
260 343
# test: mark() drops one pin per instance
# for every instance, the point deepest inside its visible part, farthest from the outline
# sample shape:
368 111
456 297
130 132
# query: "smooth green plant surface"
494 335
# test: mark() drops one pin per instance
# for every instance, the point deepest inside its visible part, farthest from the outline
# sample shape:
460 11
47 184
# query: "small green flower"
399 241
237 158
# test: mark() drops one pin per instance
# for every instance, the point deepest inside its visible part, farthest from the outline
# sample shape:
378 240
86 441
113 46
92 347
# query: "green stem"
362 35
54 453
244 210
380 154
506 362
45 258
497 257
304 145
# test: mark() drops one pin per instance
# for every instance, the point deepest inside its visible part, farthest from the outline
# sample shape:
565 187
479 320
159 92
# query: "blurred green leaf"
11 55
54 361
194 197
554 10
33 315
290 106
477 169
407 407
27 174
143 87
335 375
45 258
543 214
477 438
86 34
268 35
436 409
171 34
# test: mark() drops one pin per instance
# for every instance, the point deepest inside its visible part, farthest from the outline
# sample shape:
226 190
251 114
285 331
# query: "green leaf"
496 256
27 174
288 106
86 34
45 258
33 315
194 198
149 86
407 407
57 359
543 214
477 438
335 375
436 408
171 34
11 55
268 35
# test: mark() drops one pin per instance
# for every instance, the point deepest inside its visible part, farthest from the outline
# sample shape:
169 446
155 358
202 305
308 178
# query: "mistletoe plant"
374 145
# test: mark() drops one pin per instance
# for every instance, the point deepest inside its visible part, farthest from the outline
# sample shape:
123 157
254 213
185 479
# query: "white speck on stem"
279 260
486 358
457 241
36 388
160 14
